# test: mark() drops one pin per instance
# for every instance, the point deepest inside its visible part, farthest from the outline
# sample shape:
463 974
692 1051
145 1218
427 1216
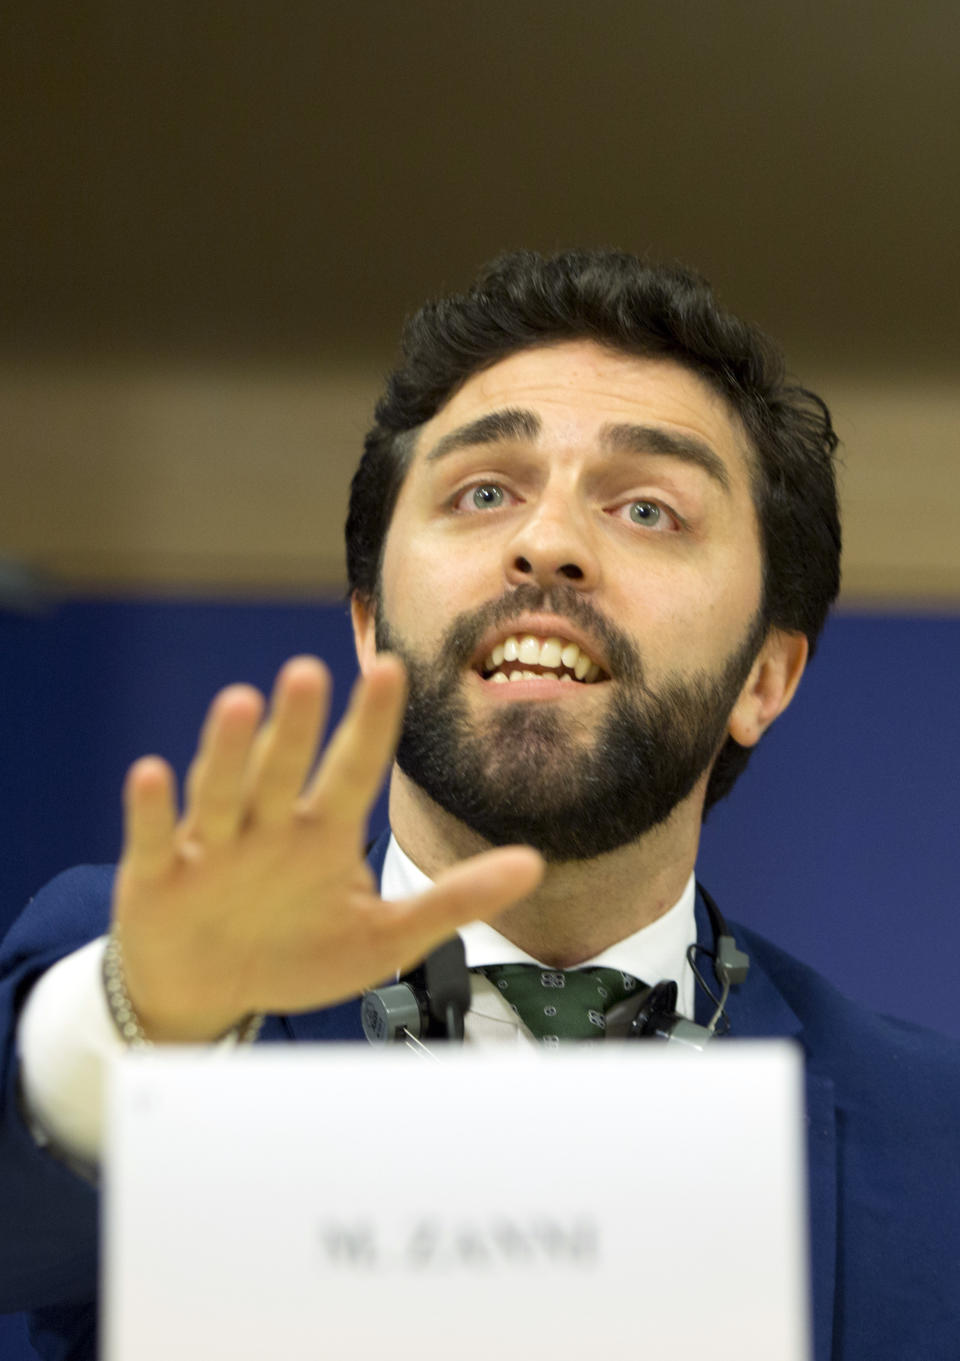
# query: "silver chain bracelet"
126 1019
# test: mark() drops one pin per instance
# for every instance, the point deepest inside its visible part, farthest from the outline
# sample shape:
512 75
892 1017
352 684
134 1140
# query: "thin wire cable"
418 1047
719 1002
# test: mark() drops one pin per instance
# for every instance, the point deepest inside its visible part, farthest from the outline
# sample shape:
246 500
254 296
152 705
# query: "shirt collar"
655 952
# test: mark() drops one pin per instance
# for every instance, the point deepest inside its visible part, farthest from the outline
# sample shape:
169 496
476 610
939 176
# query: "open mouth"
528 657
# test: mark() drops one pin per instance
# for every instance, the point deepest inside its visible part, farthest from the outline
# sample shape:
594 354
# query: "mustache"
564 601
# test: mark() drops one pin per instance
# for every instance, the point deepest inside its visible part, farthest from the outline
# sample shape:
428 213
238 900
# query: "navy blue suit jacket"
883 1123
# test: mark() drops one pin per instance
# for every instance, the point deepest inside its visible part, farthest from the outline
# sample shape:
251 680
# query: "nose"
552 544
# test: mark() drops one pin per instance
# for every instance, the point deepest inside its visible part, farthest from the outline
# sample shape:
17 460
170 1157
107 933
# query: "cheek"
418 588
400 583
728 610
688 620
428 577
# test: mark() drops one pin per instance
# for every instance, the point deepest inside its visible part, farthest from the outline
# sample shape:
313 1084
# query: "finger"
215 785
227 698
286 746
150 817
475 890
356 759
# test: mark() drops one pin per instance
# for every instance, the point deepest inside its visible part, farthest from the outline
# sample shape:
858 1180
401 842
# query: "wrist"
139 1031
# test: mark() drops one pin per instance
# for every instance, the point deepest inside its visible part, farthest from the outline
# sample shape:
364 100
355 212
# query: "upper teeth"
553 653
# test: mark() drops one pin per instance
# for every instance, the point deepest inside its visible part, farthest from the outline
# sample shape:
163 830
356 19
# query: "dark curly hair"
524 299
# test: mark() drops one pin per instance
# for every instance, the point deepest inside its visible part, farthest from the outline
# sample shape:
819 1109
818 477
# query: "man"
594 531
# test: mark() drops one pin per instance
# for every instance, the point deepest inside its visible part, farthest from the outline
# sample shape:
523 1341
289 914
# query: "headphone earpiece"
731 963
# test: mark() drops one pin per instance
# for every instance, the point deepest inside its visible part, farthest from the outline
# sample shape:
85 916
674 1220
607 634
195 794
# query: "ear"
770 686
363 616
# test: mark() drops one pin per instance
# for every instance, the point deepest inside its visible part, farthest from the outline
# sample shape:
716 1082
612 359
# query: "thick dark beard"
535 774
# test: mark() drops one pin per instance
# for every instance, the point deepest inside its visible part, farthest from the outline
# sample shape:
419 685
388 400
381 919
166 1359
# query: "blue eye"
487 497
645 513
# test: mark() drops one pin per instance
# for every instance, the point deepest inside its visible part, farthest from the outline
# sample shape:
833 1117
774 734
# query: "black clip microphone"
652 1014
429 1002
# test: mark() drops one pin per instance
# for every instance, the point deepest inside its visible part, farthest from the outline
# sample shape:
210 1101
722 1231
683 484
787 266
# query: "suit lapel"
758 1010
822 1174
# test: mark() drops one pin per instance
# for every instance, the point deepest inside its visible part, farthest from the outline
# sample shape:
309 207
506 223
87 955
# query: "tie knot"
561 1004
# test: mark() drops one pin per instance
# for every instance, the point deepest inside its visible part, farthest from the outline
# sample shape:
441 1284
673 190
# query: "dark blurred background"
280 181
214 217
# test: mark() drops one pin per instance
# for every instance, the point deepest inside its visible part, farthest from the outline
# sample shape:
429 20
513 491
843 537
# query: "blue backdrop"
839 842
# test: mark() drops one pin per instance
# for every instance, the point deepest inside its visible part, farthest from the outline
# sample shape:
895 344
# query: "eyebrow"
499 427
653 439
516 423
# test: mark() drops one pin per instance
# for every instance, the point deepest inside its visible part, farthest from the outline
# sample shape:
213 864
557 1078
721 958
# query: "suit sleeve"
48 1249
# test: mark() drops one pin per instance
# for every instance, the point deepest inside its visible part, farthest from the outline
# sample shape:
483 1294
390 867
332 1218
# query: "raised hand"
258 897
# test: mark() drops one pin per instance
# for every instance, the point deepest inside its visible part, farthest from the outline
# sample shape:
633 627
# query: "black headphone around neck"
431 1000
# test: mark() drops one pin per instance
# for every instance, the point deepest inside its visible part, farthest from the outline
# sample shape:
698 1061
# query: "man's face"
592 512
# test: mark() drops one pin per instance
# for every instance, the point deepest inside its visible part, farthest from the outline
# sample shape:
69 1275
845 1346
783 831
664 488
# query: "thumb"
474 890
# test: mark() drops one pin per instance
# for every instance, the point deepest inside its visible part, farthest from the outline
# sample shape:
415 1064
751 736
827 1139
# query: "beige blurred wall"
236 479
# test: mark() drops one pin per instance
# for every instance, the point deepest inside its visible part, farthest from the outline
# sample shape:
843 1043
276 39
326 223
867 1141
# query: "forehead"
576 387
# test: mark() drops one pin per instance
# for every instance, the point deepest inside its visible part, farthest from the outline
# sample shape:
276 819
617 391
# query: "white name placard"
305 1202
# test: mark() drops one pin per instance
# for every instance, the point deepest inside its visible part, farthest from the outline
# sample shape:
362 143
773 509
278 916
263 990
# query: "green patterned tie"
557 1004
